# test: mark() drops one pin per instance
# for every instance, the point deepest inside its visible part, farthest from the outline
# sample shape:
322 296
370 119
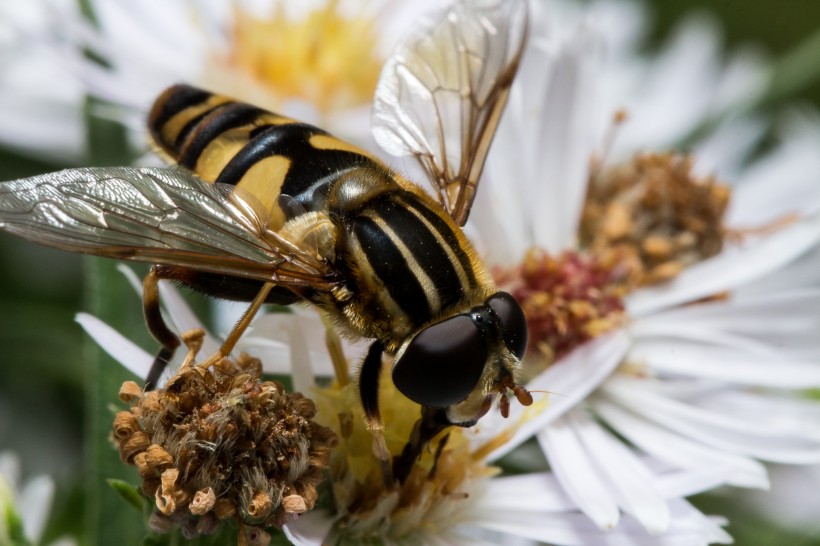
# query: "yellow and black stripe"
400 239
228 142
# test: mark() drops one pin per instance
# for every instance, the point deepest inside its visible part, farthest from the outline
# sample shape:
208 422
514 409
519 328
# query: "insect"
266 209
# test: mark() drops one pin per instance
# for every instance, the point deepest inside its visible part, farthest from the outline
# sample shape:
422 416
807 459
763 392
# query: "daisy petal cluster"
455 494
24 508
703 362
317 61
41 104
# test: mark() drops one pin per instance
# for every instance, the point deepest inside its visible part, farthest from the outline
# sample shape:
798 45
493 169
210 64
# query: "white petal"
684 483
744 323
35 506
539 492
577 474
689 528
565 141
309 529
687 359
677 92
782 182
537 169
183 317
270 336
571 379
120 348
769 440
679 451
803 272
724 152
734 267
301 370
10 469
629 479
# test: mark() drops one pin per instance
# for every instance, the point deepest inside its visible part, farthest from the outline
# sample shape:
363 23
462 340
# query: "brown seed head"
656 215
212 436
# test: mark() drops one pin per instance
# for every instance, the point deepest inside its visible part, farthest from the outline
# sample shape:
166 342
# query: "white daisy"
317 61
702 371
464 501
24 508
41 105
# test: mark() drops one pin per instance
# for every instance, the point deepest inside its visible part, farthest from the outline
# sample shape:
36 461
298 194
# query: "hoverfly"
266 209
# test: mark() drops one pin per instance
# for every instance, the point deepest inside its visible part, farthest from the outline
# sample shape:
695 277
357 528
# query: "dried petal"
130 391
203 502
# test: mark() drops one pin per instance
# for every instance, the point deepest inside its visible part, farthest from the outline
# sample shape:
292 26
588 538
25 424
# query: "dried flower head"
656 212
218 443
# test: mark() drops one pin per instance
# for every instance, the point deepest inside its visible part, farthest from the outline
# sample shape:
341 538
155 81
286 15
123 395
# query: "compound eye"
512 320
442 364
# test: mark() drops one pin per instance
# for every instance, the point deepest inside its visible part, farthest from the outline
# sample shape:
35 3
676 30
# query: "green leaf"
130 493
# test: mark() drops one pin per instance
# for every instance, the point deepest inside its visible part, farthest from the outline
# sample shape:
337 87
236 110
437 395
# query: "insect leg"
156 325
337 356
369 395
243 323
369 385
240 327
431 422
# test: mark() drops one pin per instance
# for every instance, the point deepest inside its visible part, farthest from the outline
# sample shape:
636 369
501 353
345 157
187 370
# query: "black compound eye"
512 320
442 364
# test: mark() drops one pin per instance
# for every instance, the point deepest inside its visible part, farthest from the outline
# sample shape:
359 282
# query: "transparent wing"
441 94
155 215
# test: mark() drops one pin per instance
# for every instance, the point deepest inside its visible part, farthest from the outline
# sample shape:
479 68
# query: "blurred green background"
43 350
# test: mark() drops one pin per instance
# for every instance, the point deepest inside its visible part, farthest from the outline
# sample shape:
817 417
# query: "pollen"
568 299
656 215
219 444
439 488
325 56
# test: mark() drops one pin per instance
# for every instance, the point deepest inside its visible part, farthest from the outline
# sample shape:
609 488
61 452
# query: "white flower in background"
41 105
24 508
792 502
317 60
703 298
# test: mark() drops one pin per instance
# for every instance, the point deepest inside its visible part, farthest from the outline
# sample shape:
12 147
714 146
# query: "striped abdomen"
228 142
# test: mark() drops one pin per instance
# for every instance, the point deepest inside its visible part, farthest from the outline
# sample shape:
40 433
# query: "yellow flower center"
433 497
325 57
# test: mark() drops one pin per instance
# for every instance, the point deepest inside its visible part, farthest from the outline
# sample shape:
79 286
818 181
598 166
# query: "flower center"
430 500
567 300
643 222
325 57
219 444
655 213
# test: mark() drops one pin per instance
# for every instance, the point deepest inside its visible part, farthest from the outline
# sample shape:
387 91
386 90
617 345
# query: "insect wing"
441 94
154 215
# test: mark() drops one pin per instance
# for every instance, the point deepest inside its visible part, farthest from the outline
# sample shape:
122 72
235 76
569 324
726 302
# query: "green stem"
109 518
